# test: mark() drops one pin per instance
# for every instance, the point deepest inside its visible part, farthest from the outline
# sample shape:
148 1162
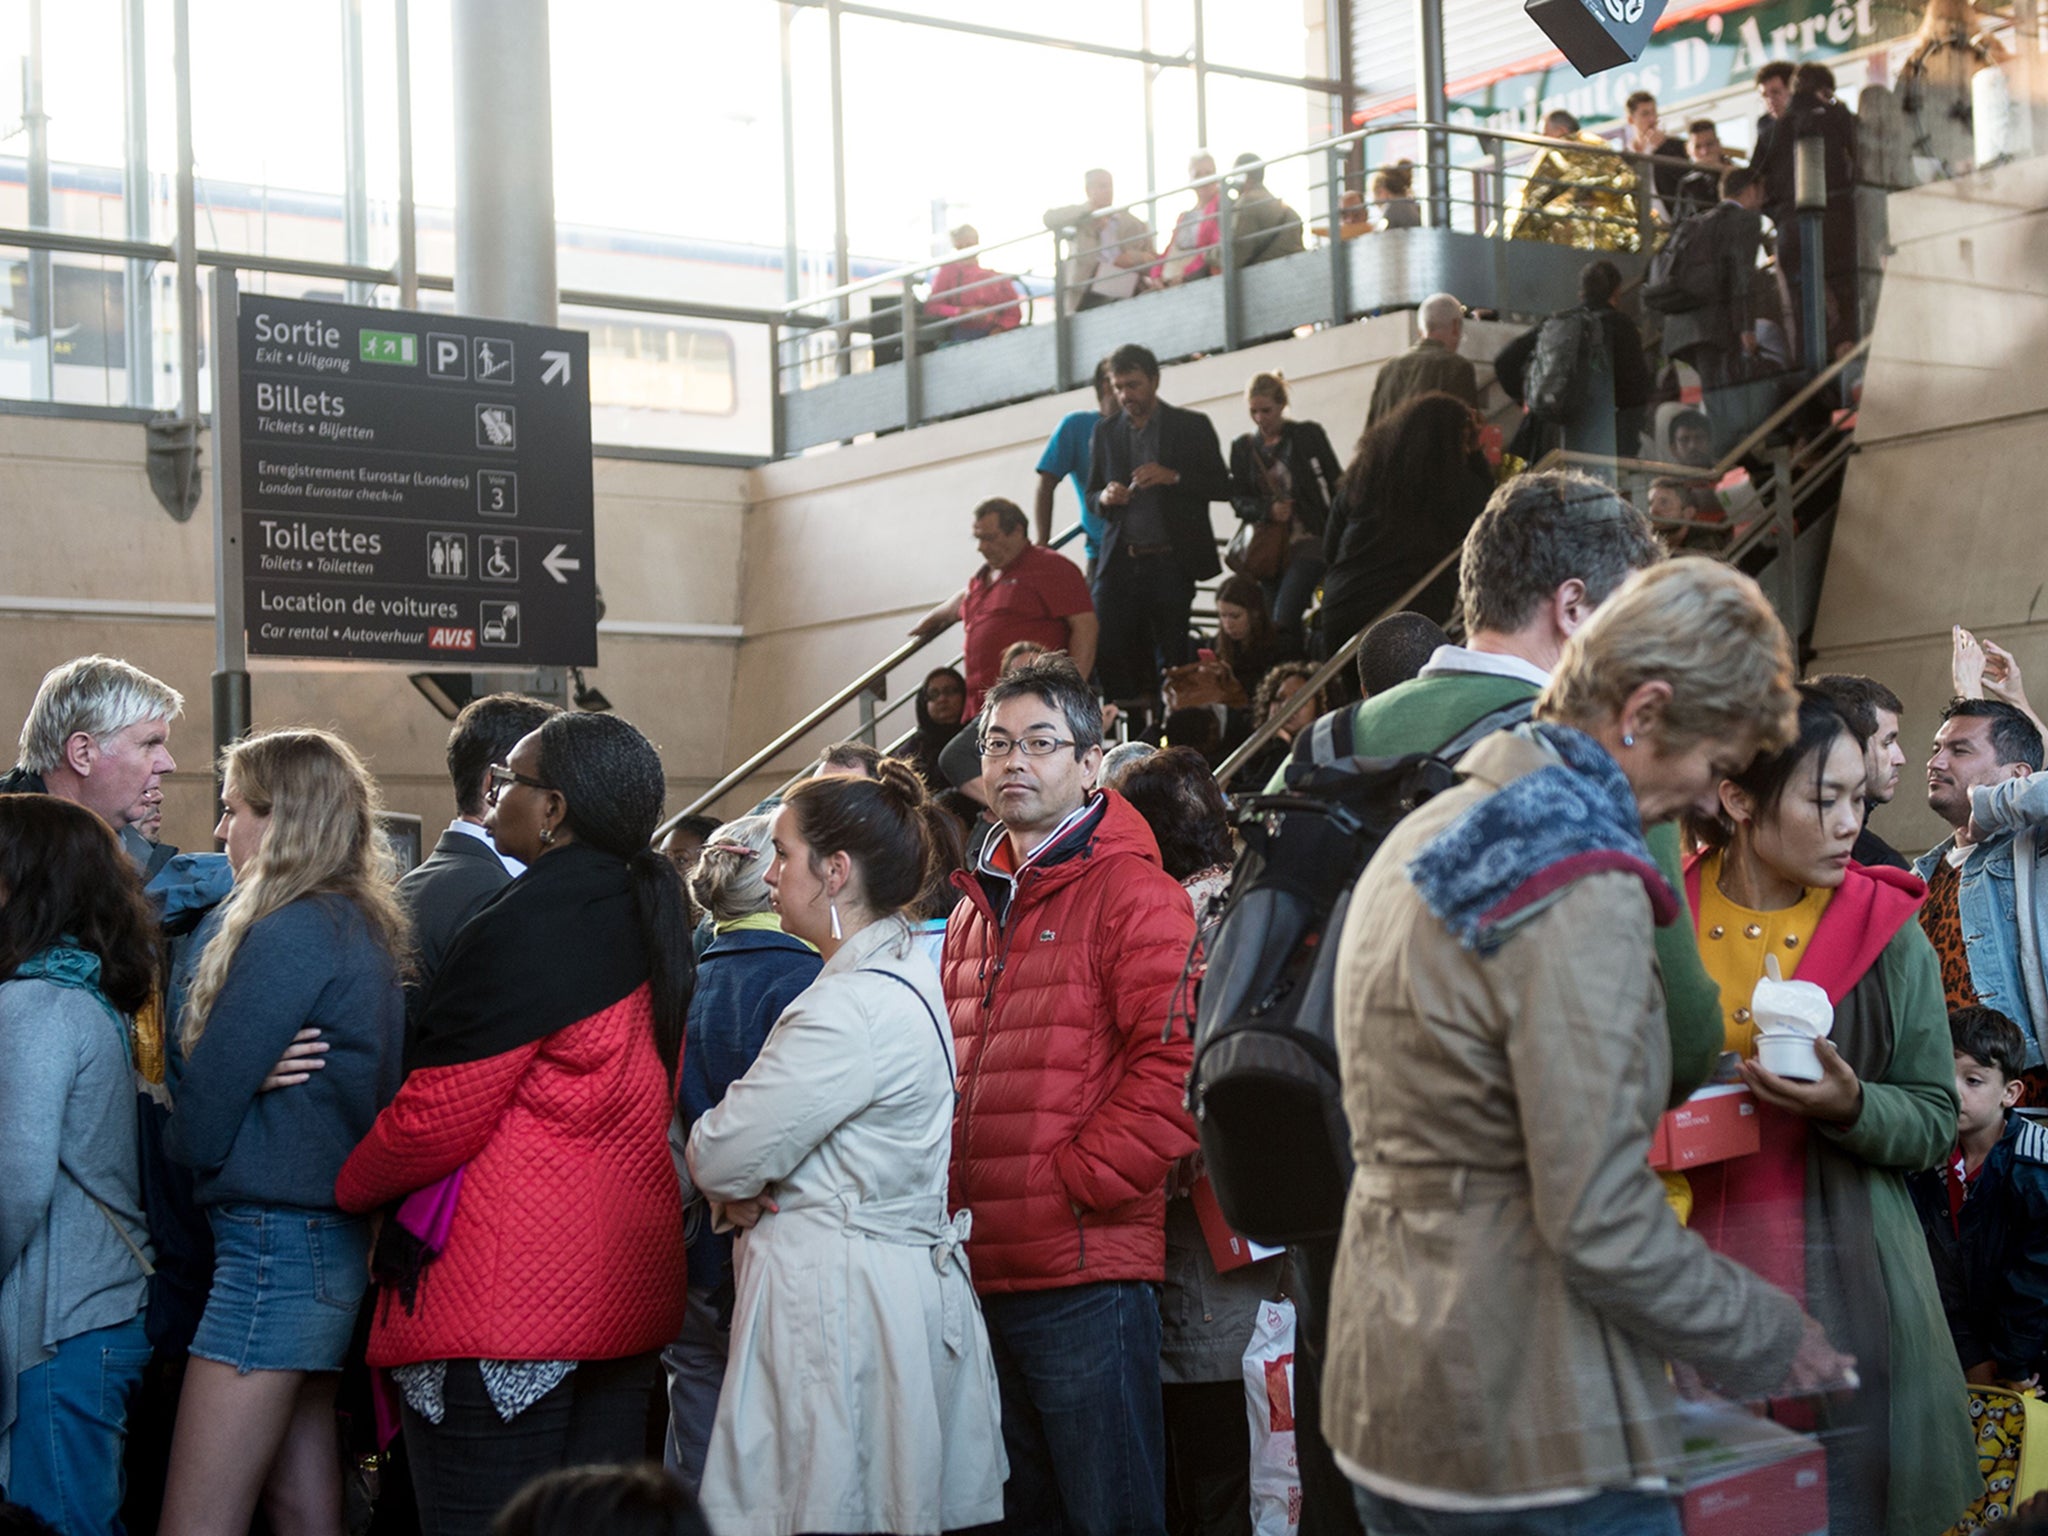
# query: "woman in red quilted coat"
542 1073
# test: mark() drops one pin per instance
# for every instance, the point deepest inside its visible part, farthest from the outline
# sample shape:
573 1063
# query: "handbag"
2012 1452
1259 550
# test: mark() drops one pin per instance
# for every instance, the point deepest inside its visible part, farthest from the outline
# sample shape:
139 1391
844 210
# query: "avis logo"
450 637
1628 12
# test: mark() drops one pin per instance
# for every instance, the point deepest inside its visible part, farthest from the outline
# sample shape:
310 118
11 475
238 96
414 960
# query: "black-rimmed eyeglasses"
503 778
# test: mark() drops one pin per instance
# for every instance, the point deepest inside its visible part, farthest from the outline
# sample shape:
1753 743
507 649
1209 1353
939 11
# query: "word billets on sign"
415 488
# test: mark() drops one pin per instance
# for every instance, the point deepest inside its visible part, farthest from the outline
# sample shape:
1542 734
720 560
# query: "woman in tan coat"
1511 1282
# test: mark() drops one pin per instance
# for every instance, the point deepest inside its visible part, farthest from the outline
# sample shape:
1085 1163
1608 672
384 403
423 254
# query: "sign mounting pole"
231 713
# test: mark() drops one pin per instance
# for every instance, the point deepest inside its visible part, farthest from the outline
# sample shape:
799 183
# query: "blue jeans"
695 1366
1613 1513
73 1425
1287 599
1082 1417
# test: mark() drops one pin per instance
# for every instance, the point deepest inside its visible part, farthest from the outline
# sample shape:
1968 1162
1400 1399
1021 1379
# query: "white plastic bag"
1269 1400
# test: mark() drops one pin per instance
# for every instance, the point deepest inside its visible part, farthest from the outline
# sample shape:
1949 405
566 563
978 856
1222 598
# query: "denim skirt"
287 1283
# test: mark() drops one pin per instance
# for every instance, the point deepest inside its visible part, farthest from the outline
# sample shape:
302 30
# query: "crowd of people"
861 1122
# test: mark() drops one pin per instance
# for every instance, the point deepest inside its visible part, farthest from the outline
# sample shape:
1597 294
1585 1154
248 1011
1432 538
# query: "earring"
547 836
833 908
1627 740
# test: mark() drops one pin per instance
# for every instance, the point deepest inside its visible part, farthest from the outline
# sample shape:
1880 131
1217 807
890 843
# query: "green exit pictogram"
401 347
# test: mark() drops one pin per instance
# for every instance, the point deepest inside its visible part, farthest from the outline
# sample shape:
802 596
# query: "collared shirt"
1447 659
1144 520
513 867
1031 598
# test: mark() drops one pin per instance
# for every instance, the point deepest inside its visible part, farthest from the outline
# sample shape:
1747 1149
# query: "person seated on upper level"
1393 195
1109 252
1195 250
1262 226
977 301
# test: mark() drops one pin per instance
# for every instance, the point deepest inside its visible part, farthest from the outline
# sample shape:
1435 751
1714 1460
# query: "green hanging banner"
1702 53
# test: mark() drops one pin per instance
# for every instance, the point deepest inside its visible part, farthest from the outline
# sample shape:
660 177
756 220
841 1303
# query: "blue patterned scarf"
1494 867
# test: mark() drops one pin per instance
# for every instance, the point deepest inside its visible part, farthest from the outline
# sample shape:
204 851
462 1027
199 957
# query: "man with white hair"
98 734
1432 364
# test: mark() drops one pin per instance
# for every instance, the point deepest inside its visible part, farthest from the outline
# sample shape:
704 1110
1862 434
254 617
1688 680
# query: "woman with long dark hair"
1411 492
1822 1209
310 938
941 709
77 962
860 1393
537 1103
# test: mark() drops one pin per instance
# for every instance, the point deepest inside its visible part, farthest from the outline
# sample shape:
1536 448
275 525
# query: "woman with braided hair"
860 1394
541 1081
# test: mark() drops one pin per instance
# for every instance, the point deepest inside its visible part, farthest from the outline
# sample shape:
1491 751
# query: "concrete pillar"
504 161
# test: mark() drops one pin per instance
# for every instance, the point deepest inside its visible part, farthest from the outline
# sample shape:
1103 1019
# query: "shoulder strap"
1329 739
148 1269
945 1040
1512 713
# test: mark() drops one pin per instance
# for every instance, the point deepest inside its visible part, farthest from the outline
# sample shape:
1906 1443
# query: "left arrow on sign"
557 369
557 562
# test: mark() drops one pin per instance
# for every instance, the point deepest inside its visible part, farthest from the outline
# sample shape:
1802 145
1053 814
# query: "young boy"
1986 1211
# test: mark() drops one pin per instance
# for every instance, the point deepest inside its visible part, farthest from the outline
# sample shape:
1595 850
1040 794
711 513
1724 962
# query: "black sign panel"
415 488
1595 35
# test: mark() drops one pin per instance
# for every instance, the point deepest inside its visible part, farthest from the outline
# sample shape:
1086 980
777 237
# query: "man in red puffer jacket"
1061 968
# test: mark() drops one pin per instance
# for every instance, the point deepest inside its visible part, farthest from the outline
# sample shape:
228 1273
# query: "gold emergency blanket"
1581 198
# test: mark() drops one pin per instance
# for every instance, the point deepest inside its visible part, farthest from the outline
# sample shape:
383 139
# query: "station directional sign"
414 488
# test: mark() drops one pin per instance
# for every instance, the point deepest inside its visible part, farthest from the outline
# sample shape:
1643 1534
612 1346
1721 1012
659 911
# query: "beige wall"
1940 521
90 562
822 561
846 547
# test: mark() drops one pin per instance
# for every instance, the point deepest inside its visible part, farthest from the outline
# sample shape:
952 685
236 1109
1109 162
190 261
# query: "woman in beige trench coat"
859 1391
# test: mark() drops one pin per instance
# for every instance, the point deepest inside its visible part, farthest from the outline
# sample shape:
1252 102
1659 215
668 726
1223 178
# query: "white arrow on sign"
557 370
557 562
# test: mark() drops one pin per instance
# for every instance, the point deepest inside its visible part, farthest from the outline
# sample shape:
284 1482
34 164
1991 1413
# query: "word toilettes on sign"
415 488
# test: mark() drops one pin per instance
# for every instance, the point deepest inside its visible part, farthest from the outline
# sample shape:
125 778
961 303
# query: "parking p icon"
447 356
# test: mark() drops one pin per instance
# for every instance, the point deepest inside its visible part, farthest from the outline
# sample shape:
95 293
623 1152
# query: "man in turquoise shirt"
1067 455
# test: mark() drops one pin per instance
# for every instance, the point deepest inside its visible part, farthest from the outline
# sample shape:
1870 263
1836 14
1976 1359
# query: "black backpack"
1682 273
1570 347
1264 1090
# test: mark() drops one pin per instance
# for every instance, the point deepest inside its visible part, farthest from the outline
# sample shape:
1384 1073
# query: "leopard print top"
1942 919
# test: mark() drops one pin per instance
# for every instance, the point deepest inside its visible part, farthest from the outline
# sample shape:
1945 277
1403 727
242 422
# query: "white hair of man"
99 695
1443 318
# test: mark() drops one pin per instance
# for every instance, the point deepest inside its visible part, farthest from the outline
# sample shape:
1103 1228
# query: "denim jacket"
2001 902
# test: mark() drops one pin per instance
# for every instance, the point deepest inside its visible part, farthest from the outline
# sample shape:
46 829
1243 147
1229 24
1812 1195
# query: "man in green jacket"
1546 552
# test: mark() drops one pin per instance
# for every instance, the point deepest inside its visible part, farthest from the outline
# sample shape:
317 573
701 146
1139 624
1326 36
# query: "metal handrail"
350 272
818 716
1323 675
1796 492
896 275
1565 457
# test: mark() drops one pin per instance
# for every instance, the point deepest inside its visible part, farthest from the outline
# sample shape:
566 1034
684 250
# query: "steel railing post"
778 430
1340 252
1062 322
1226 251
913 368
